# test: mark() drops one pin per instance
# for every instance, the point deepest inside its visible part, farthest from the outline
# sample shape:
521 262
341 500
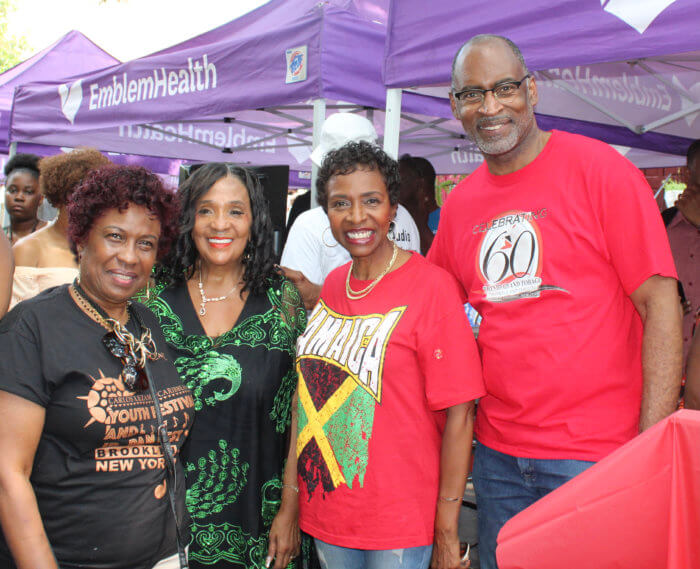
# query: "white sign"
297 61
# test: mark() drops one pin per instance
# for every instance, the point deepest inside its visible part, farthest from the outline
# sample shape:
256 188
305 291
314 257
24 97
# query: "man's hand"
310 292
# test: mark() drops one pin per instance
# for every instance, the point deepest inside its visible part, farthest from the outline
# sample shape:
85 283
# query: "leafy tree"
12 48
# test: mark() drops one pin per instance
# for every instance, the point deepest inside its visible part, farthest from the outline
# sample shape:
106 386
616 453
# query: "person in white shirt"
311 251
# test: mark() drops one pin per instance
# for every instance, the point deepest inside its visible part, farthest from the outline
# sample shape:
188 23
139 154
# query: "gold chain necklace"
87 307
205 298
356 295
139 349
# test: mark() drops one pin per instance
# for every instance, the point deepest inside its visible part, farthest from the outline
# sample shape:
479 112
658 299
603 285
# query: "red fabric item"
549 255
374 374
638 507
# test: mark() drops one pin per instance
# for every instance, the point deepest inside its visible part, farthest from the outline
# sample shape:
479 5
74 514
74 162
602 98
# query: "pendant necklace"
357 294
205 298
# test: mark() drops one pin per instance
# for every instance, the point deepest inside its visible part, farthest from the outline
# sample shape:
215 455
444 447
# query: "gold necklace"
205 298
356 295
139 349
87 307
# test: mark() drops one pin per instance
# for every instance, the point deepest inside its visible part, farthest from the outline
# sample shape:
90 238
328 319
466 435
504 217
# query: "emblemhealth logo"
195 76
71 96
634 13
510 256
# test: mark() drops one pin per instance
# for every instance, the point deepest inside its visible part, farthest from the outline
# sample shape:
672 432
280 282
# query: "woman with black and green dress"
231 324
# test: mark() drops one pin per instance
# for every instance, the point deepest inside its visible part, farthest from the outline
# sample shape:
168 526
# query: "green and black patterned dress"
242 382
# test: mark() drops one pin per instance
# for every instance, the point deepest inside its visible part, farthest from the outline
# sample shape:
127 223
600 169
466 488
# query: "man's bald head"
485 38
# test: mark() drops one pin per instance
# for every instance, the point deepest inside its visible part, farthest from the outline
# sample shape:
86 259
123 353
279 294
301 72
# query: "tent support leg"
594 104
319 119
392 122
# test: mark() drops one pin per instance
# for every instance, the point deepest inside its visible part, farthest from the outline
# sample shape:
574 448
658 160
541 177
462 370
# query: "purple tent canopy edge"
550 33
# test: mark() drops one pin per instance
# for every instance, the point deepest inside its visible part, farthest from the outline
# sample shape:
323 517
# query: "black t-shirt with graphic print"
98 473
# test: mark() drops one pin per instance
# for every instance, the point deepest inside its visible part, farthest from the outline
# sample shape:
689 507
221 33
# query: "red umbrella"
638 507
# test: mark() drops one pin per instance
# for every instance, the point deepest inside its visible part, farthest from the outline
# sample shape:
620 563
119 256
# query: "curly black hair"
258 257
26 162
352 157
116 187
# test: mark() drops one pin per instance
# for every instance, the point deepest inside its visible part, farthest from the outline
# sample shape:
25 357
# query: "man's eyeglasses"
504 92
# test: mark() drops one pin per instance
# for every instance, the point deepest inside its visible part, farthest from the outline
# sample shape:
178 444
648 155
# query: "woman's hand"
446 551
310 292
285 538
454 465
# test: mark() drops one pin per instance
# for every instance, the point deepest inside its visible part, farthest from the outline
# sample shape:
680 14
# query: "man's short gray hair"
488 37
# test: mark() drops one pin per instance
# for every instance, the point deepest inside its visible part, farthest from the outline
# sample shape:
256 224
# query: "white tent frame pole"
682 92
319 119
392 122
592 103
13 150
670 118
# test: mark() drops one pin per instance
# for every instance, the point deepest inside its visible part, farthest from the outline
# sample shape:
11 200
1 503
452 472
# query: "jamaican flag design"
339 362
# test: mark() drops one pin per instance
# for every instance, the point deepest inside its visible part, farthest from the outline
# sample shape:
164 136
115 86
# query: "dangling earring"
392 226
148 289
246 254
323 238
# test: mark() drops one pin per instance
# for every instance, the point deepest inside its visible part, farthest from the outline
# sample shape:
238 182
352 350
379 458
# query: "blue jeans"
335 557
506 485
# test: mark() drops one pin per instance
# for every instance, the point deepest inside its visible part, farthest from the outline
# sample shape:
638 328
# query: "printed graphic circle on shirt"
510 256
97 399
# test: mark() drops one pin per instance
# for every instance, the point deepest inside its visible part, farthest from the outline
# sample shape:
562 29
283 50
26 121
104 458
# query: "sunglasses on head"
133 374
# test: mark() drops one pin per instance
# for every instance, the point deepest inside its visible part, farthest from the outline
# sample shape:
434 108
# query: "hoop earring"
323 238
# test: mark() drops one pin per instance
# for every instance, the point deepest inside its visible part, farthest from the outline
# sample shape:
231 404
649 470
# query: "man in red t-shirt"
557 242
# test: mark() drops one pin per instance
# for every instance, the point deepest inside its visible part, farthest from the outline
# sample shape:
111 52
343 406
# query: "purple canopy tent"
648 100
253 90
73 54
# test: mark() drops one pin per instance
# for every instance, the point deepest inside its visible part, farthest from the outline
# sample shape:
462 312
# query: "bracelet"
291 486
450 499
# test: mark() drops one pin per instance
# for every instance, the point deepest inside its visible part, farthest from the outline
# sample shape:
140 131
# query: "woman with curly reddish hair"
44 258
88 477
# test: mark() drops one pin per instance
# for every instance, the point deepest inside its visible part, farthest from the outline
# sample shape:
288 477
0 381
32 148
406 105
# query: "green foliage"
12 48
672 185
